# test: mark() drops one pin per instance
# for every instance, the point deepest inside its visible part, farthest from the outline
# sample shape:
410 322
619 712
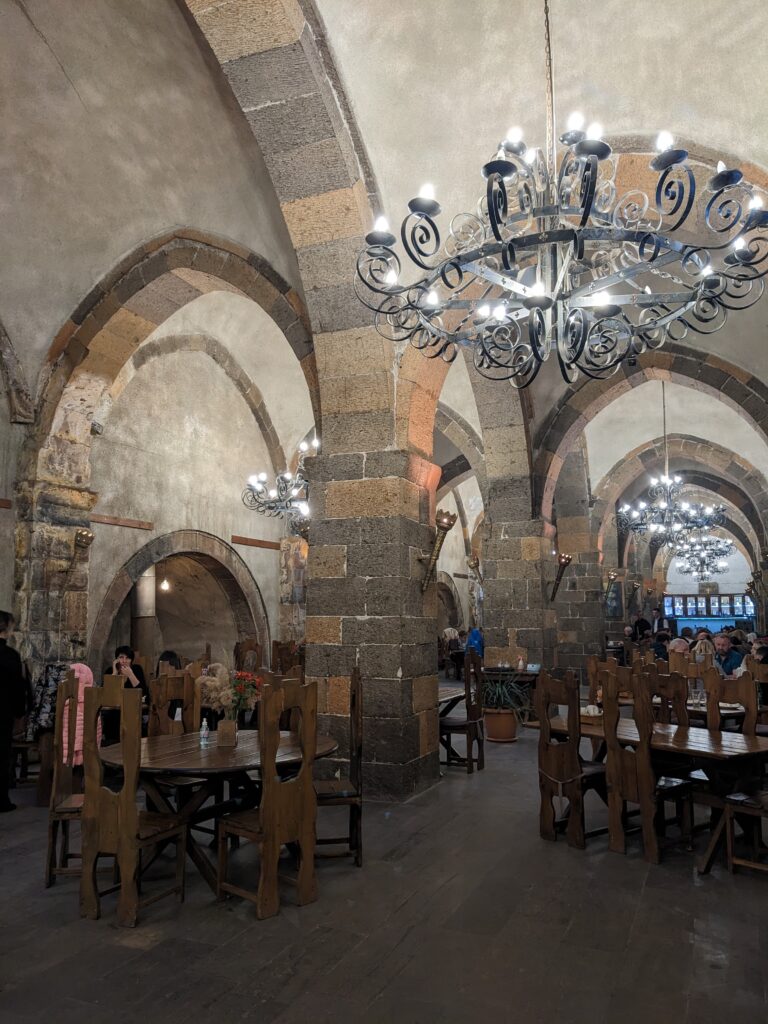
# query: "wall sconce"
473 564
563 561
444 522
612 577
83 538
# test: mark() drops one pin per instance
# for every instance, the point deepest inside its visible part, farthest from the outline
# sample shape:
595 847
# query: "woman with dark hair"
12 704
170 658
133 676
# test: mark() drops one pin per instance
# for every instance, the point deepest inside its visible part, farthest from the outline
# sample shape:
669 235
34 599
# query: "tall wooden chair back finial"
288 809
163 692
672 691
111 821
742 690
628 770
679 662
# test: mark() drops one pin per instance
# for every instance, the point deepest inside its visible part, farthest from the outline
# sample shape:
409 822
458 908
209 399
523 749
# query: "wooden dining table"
727 758
203 769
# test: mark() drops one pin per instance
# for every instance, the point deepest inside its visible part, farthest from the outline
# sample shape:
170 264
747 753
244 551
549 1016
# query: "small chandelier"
558 261
702 566
667 519
288 498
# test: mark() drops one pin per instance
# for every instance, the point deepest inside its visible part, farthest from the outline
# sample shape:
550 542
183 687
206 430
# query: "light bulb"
315 443
709 510
515 135
601 298
303 447
575 121
654 481
595 131
537 288
432 298
678 479
391 277
677 526
273 493
740 243
530 156
684 505
664 141
706 271
484 311
287 475
500 312
262 477
382 224
641 504
165 585
648 289
662 504
294 492
635 514
755 202
720 166
303 507
427 191
253 481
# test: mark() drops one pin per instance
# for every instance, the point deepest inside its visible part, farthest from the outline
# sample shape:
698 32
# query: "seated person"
133 676
661 646
727 658
679 645
686 633
170 658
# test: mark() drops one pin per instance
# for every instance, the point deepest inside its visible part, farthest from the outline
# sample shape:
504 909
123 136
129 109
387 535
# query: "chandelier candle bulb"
664 141
382 224
575 121
427 191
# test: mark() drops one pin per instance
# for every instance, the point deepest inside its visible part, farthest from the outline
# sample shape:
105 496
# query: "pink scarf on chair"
84 678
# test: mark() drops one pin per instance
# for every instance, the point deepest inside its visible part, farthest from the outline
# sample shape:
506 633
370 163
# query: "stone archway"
219 558
450 612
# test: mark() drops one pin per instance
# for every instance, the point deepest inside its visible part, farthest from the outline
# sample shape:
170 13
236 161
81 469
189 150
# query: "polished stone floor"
461 913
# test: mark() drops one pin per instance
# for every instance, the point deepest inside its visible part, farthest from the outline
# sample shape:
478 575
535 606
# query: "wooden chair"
562 773
741 690
630 775
163 691
288 809
672 690
680 662
241 649
348 792
66 805
745 806
470 726
284 657
111 821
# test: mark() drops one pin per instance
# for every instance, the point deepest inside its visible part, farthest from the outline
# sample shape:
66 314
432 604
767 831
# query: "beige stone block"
324 217
239 27
321 683
327 560
531 548
363 393
358 351
338 695
428 732
424 693
323 629
390 496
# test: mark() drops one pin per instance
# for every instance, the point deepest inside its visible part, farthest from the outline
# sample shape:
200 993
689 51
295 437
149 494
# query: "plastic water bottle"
520 665
177 717
204 733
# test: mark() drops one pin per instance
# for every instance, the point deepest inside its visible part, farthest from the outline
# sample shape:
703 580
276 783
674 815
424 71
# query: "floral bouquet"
231 693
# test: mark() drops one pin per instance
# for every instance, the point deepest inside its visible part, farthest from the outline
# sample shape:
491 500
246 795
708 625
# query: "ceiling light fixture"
571 230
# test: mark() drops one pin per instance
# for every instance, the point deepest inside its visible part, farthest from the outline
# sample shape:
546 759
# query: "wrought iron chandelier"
288 497
667 519
702 566
558 261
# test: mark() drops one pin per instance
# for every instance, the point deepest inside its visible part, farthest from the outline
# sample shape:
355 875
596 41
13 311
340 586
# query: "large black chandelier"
558 261
288 497
665 517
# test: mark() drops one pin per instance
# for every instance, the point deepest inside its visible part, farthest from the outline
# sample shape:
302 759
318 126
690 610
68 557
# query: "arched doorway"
185 550
449 611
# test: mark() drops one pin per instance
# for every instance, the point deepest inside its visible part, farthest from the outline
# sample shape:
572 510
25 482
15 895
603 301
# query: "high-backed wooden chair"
745 806
469 725
593 677
111 821
562 773
284 657
348 792
741 690
164 692
65 805
679 662
672 691
288 809
630 775
242 647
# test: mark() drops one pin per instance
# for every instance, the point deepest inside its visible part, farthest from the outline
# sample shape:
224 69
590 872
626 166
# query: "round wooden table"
183 755
206 768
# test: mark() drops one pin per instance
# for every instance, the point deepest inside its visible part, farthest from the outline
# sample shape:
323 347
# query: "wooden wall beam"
131 524
254 542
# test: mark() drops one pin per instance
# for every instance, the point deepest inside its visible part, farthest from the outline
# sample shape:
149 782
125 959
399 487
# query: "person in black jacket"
12 705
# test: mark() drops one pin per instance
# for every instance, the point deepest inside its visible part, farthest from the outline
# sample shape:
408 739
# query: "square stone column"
371 522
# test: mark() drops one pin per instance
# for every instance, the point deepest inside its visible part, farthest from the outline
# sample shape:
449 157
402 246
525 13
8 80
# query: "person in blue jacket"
476 641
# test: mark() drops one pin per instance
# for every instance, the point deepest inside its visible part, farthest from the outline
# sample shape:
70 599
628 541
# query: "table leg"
186 812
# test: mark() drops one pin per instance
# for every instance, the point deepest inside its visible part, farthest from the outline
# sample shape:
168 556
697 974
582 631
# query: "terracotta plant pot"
500 725
226 733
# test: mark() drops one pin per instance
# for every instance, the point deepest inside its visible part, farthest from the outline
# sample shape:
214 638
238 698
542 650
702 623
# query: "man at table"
727 658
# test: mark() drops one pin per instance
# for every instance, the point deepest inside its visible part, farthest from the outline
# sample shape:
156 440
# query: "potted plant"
231 694
505 704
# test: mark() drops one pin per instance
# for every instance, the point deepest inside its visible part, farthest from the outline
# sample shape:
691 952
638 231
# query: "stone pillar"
144 615
372 516
293 589
51 572
579 604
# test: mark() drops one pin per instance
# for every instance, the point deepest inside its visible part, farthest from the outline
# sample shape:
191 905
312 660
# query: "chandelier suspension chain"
550 93
664 428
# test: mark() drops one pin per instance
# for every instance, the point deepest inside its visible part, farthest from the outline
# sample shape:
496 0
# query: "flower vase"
226 733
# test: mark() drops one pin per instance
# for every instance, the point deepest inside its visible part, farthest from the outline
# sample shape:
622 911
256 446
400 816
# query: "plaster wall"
259 346
636 417
453 558
472 499
10 440
732 582
195 611
115 128
176 451
457 393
